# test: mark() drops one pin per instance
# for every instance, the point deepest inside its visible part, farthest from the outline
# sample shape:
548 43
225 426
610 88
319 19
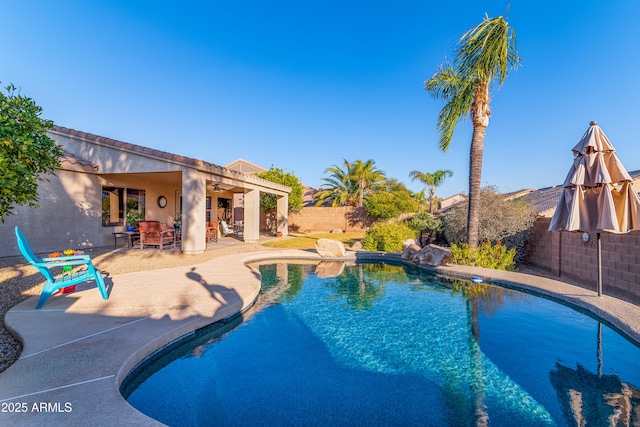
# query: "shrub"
387 237
501 219
496 256
425 221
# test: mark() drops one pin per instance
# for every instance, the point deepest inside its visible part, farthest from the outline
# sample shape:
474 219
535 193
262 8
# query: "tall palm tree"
432 180
366 175
484 55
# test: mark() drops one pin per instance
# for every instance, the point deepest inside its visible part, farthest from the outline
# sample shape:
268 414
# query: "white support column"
251 215
194 194
282 214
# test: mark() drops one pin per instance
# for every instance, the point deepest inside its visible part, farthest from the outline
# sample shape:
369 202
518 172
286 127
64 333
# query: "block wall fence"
566 256
346 218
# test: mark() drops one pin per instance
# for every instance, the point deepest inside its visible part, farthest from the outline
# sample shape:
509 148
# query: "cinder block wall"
566 256
326 219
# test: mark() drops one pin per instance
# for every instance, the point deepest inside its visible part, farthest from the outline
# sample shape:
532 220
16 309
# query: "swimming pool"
389 345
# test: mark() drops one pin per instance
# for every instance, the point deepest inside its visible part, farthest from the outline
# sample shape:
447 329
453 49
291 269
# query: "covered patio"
89 197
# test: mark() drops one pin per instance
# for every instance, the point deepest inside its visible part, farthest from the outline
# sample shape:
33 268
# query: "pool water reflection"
389 345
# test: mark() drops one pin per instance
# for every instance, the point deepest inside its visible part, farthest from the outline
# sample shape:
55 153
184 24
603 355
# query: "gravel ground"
19 280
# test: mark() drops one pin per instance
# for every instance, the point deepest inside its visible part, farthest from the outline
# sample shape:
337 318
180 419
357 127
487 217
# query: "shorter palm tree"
432 180
339 189
366 175
349 184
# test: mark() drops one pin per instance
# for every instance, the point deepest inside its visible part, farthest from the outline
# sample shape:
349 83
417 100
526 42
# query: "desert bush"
508 221
387 237
487 255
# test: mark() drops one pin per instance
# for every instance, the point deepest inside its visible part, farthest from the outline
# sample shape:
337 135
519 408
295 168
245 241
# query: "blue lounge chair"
53 284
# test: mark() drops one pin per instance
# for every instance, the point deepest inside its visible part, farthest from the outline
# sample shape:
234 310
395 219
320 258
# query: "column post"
251 215
194 195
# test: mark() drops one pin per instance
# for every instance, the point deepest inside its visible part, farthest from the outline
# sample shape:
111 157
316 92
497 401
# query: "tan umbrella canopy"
598 194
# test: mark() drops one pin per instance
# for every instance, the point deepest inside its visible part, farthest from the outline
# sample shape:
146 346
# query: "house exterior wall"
69 216
566 256
346 218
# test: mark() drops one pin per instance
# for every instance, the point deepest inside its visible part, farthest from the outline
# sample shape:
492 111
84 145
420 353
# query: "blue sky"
302 85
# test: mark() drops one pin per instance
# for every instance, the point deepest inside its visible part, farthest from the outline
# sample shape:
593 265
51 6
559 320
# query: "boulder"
356 245
410 251
433 255
329 248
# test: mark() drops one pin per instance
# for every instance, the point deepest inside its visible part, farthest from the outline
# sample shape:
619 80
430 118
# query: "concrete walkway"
78 348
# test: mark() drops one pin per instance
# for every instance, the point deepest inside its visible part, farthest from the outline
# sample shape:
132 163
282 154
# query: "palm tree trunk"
480 113
475 175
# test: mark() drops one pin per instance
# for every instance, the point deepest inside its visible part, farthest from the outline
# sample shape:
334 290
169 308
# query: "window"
135 201
113 207
208 209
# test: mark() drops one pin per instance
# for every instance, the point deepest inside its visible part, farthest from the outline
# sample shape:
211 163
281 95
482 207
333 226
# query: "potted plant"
177 220
132 219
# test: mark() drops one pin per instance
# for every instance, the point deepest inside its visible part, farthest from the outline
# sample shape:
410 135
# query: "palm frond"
488 50
457 107
443 83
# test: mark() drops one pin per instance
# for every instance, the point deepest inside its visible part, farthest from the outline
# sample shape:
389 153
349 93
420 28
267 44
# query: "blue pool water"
388 345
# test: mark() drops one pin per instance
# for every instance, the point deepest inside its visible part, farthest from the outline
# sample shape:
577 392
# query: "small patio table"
129 234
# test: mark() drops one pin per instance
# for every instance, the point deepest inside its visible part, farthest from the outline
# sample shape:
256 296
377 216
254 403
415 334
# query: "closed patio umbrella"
598 195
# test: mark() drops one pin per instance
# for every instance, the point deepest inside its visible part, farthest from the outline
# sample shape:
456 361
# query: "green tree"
432 180
26 152
269 202
390 199
484 56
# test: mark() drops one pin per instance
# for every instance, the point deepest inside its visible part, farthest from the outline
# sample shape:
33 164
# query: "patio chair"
225 228
155 233
44 265
212 231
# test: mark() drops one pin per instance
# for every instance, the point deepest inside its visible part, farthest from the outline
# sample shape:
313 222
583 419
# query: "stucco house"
101 178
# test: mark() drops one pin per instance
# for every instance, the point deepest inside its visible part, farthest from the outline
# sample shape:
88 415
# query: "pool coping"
78 348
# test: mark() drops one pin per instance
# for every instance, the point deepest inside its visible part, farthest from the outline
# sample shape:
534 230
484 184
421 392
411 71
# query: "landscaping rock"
329 248
410 250
336 230
356 245
433 255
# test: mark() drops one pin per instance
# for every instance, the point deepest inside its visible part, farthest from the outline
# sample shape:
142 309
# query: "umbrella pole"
599 261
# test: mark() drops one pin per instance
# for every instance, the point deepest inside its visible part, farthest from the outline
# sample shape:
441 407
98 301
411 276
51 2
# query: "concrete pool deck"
78 348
